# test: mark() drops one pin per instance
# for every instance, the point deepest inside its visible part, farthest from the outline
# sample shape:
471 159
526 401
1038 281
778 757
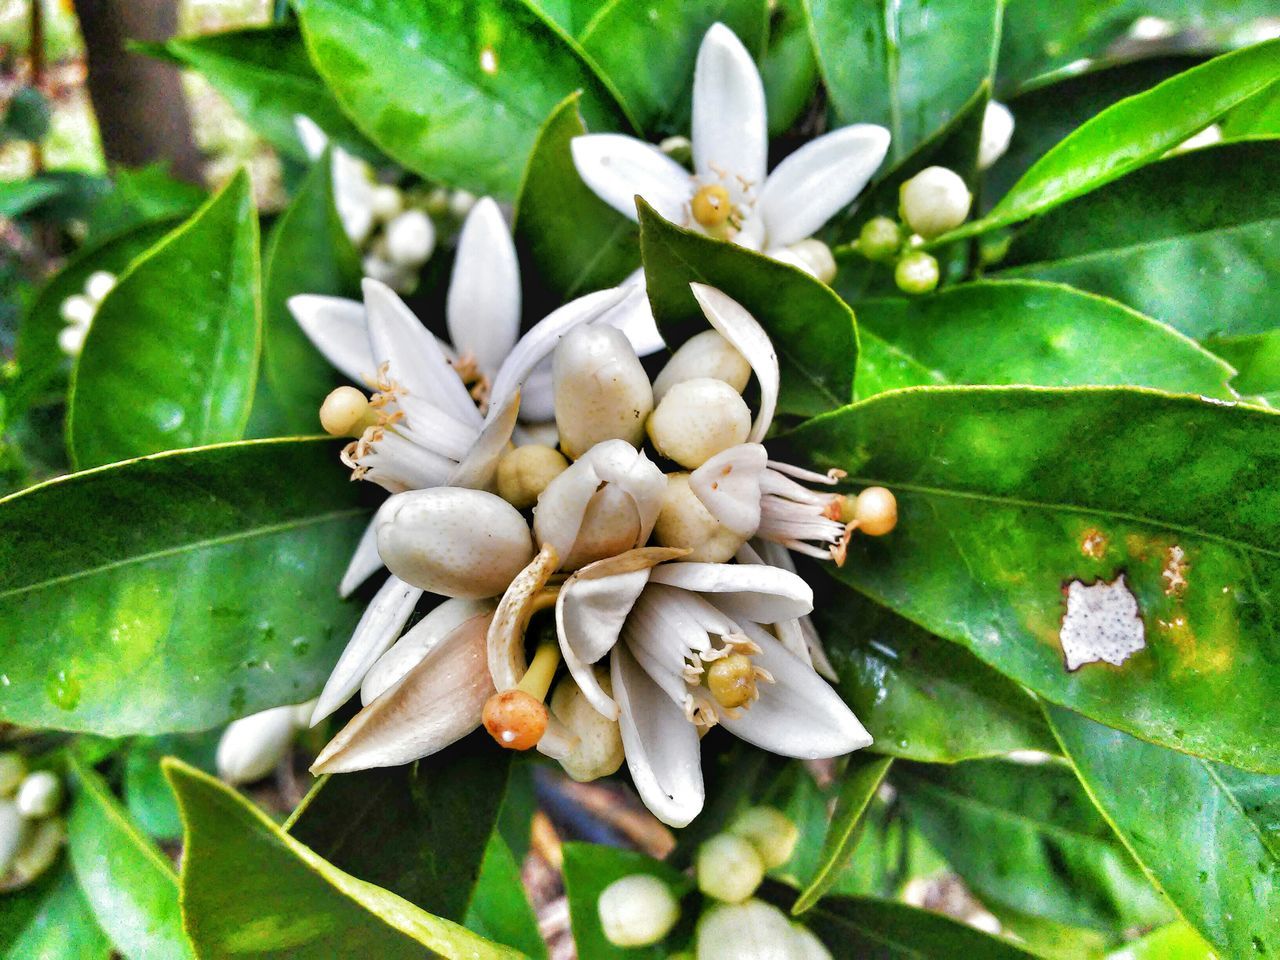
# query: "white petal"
353 195
742 330
561 507
618 167
802 630
635 474
416 361
634 317
427 635
662 746
337 328
483 306
251 747
729 123
365 562
799 715
477 468
760 593
729 486
538 396
819 180
386 615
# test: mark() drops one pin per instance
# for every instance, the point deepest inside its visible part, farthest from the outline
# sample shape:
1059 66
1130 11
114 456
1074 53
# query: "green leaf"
789 69
1202 259
147 796
1258 360
452 90
623 36
1027 838
588 869
859 783
50 920
141 195
1201 830
171 358
1177 941
177 591
129 884
1007 495
571 15
1132 133
22 196
1026 333
908 65
499 908
251 890
573 241
812 329
908 686
1259 116
307 251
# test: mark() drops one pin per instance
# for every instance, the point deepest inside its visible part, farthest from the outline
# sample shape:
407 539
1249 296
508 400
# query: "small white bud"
386 201
78 309
596 750
770 831
601 389
38 852
916 273
71 339
728 868
707 354
40 795
934 201
808 946
461 202
99 284
13 833
637 911
253 746
377 267
747 931
13 769
523 473
698 419
686 523
453 541
812 256
411 239
997 131
436 202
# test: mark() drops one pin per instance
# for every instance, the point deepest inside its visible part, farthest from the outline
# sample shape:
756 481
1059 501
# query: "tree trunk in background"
142 113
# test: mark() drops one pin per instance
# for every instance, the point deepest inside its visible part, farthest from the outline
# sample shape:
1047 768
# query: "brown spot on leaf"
1175 570
1094 543
1102 623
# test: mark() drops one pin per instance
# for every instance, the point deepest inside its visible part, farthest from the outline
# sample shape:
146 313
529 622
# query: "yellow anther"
712 206
732 681
346 413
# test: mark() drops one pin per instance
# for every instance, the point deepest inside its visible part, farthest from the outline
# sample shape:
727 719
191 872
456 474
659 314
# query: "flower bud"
934 201
601 390
38 853
698 419
686 523
637 911
678 148
813 257
807 944
997 131
596 750
523 473
377 267
40 795
707 354
78 309
747 931
386 201
13 834
453 541
13 769
253 746
768 830
916 273
460 203
880 239
411 239
71 339
99 284
728 868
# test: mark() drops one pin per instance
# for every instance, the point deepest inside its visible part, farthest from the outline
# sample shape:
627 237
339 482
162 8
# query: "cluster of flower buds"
253 746
79 309
731 865
31 831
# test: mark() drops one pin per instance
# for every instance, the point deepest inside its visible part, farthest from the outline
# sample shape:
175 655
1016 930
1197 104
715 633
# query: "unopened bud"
770 831
377 267
436 202
728 868
38 852
78 309
707 354
453 541
13 833
637 911
523 473
747 931
807 944
686 523
601 389
997 131
813 257
40 795
916 273
411 239
13 769
698 419
253 746
880 239
386 201
99 284
934 201
679 149
71 339
596 750
461 202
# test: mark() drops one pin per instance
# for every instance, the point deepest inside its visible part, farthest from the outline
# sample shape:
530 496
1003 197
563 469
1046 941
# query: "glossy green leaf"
571 15
1028 838
22 196
1177 941
1202 259
859 783
789 68
148 798
588 869
570 241
50 920
130 886
139 196
1206 834
307 251
177 591
251 890
499 908
1026 333
1133 132
1259 116
908 686
452 90
908 65
812 329
171 358
1007 495
1257 358
623 36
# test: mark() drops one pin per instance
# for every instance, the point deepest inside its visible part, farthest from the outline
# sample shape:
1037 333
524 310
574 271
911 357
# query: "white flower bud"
698 419
436 202
386 201
461 202
601 390
253 746
13 769
411 239
686 523
997 131
934 201
99 284
40 795
916 273
596 750
13 833
768 830
38 852
453 541
378 267
746 931
71 339
78 309
637 911
523 473
812 256
808 946
706 355
728 868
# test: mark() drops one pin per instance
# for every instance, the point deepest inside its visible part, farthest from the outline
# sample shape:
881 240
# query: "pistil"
517 718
